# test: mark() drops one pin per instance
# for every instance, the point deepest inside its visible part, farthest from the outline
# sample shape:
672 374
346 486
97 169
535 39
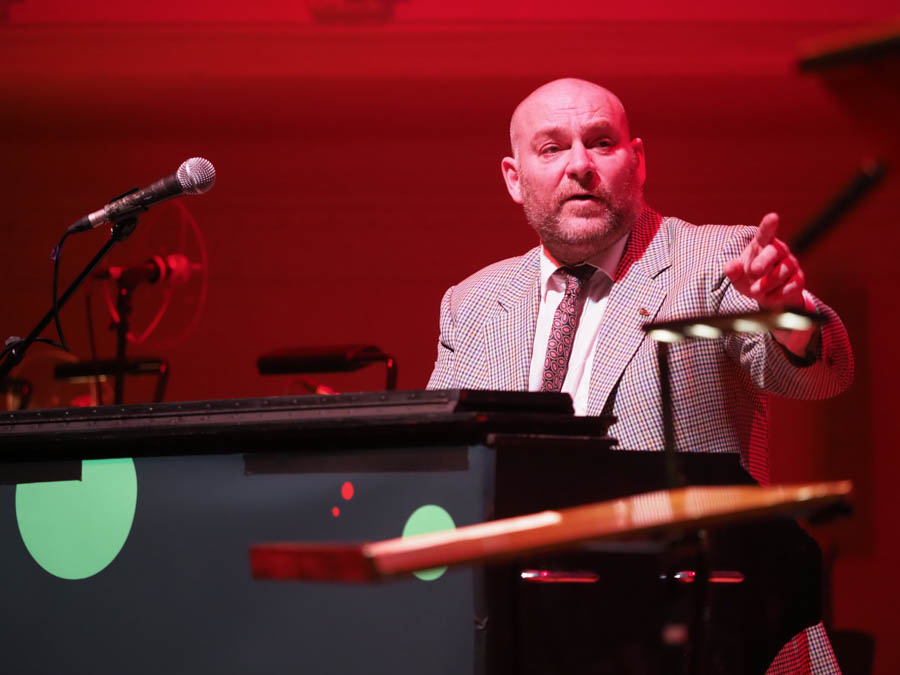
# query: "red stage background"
358 177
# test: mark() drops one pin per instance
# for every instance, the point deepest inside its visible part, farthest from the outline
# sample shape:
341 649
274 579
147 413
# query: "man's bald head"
575 168
560 93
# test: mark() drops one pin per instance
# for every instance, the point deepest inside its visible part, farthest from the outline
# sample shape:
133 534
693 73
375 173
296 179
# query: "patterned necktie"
562 332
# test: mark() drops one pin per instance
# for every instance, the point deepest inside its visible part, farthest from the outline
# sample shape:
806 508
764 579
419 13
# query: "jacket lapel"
509 334
635 298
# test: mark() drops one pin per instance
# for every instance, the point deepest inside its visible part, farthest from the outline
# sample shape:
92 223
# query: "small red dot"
347 490
335 511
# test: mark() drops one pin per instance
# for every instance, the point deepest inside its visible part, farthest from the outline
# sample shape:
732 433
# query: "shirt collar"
606 261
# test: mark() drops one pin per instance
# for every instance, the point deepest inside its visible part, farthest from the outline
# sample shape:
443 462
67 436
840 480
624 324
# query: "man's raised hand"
767 271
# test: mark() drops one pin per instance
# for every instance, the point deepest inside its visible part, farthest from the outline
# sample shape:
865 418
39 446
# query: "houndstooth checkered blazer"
670 269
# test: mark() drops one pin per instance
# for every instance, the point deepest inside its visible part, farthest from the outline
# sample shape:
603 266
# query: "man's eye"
602 143
549 149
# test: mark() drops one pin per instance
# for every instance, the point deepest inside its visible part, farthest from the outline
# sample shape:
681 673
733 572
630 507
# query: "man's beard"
573 243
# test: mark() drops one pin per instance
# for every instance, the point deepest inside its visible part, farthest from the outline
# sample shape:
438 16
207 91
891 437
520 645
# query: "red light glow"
559 577
347 490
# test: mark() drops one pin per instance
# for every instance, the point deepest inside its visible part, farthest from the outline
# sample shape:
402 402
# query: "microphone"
194 177
174 268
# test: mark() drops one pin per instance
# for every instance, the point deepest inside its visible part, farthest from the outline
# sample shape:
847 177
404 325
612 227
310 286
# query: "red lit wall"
358 177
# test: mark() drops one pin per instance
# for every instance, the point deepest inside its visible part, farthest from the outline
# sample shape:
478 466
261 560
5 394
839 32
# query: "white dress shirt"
595 294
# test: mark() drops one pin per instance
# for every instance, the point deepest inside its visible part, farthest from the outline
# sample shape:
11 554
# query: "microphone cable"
54 256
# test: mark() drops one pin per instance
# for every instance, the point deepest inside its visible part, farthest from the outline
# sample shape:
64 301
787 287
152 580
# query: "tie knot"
578 275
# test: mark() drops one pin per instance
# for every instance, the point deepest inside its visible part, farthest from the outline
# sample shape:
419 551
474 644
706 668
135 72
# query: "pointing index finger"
768 227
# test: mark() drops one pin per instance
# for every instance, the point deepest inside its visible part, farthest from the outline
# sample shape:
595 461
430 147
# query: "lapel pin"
643 312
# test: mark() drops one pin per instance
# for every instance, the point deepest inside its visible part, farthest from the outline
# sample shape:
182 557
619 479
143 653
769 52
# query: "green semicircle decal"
75 529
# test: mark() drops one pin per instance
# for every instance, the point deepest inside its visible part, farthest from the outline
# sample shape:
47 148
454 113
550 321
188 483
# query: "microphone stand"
123 308
121 229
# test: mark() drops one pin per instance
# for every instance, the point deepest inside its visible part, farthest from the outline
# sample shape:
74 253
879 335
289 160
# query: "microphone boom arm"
194 176
16 348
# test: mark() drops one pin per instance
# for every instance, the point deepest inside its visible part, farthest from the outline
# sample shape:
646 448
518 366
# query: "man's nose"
581 166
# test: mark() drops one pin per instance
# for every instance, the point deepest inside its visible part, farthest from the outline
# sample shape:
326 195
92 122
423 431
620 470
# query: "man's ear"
510 168
637 147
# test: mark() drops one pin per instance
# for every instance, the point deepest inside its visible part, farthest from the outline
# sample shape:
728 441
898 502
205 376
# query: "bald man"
579 176
607 264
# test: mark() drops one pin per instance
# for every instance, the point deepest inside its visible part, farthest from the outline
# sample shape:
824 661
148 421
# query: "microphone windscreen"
196 175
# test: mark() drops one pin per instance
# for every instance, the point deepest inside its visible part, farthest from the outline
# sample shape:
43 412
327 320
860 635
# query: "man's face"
576 171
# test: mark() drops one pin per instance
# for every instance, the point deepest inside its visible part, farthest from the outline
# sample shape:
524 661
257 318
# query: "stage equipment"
45 390
168 261
709 327
196 174
194 177
641 515
327 359
16 393
100 370
715 326
214 477
167 280
175 268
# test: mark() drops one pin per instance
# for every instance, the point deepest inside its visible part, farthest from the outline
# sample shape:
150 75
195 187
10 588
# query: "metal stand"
694 638
131 367
119 232
123 309
674 477
328 359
